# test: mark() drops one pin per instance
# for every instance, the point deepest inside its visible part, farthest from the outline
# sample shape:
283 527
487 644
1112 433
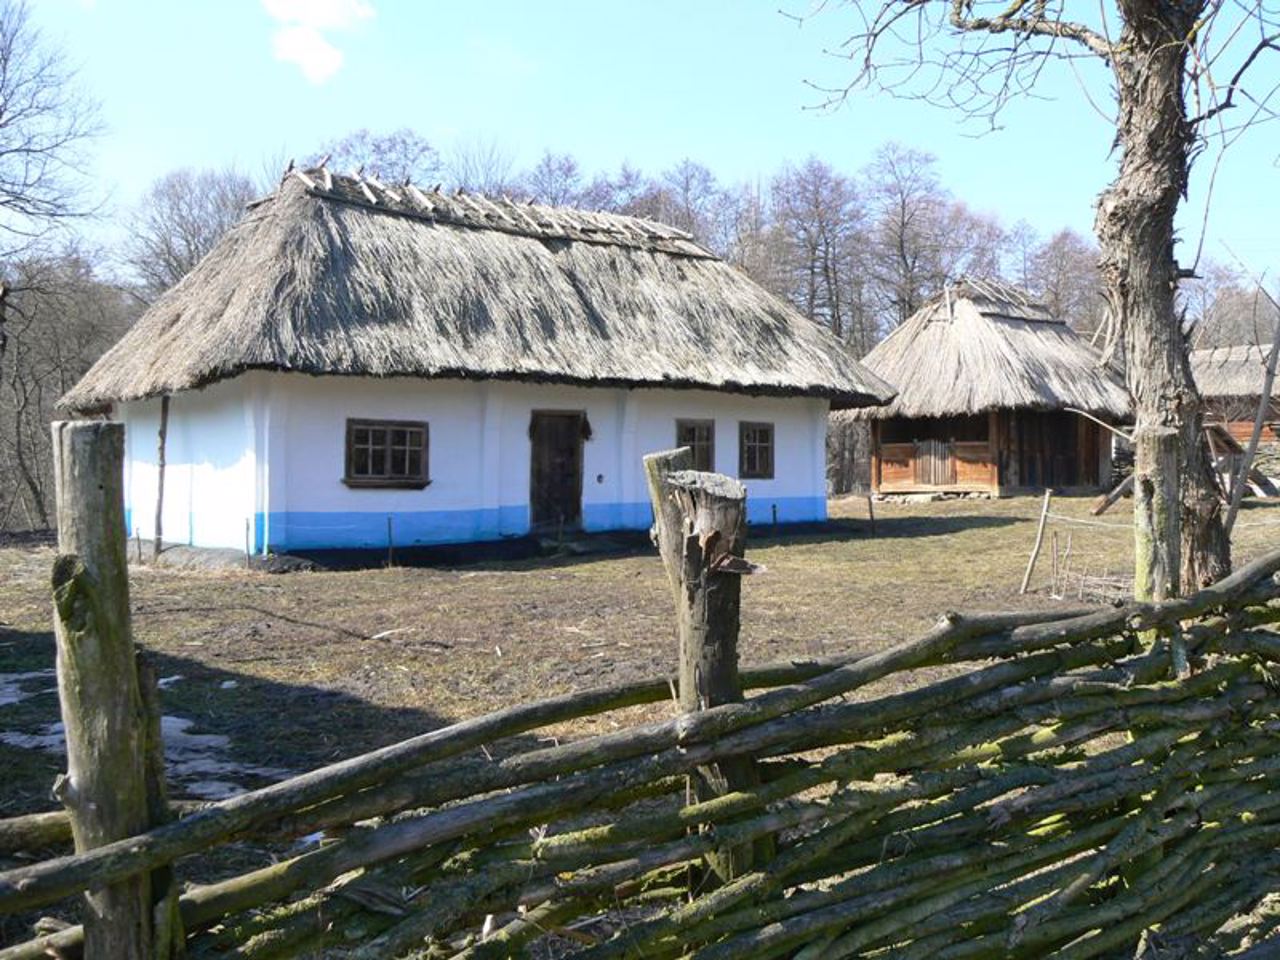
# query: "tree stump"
700 530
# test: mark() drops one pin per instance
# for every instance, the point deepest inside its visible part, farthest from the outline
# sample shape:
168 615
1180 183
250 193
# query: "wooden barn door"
555 483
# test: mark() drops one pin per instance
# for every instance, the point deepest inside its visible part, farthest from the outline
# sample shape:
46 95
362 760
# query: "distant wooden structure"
989 382
1230 382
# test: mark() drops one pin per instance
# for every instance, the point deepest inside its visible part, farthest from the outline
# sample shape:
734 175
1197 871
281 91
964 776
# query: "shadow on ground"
227 728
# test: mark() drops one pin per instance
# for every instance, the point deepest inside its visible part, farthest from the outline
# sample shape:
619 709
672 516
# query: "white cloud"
300 35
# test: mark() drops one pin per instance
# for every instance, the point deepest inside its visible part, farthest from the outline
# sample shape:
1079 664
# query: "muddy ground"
300 669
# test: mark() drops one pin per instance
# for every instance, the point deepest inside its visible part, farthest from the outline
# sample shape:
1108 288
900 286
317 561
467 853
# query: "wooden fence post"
104 787
700 528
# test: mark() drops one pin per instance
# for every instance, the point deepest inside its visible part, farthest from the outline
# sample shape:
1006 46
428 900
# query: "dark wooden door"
555 483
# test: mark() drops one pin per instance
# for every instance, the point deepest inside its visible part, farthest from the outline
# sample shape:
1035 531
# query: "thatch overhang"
346 276
1231 372
984 345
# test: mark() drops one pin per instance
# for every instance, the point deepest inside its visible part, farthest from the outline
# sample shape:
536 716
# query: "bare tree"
554 179
1226 308
622 193
1063 274
178 221
399 156
904 195
45 126
481 166
1179 72
822 226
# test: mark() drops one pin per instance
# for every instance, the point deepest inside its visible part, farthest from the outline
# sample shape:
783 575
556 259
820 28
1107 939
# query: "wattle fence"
1068 783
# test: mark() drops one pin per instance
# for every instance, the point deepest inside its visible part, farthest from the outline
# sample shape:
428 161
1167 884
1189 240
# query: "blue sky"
204 83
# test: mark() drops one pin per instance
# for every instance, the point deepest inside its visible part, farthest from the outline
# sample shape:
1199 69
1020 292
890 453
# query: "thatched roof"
341 275
984 345
1231 371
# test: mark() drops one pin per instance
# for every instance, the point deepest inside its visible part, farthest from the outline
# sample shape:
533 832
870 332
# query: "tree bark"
1176 533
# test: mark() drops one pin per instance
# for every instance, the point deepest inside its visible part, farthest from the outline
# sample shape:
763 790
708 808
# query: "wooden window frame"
710 425
386 481
744 426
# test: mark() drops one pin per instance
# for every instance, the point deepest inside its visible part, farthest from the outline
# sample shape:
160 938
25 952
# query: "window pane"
360 436
378 462
360 461
415 464
399 438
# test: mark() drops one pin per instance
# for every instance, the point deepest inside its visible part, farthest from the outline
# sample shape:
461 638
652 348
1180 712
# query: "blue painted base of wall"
296 530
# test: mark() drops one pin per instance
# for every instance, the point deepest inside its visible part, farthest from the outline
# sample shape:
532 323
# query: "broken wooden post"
104 788
700 529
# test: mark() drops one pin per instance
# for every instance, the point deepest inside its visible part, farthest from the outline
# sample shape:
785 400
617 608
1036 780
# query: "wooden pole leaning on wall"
104 788
161 438
700 530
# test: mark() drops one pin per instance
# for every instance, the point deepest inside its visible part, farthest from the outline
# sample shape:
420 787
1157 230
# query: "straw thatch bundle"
982 346
341 275
1231 372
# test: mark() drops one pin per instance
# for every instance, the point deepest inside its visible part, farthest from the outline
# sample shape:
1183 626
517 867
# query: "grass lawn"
301 669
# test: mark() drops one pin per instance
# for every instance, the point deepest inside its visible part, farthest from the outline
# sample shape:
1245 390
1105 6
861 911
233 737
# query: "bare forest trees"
182 216
55 318
1175 70
824 245
62 320
45 125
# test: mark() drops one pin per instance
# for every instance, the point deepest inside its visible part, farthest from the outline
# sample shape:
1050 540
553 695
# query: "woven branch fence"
1098 783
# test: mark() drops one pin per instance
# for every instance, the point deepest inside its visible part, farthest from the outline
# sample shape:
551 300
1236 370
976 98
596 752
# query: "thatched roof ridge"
1231 371
983 345
337 275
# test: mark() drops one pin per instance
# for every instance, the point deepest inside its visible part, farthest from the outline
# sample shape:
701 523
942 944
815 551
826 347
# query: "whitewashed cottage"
355 359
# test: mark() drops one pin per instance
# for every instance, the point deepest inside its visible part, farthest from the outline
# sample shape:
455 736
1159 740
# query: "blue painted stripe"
616 516
303 530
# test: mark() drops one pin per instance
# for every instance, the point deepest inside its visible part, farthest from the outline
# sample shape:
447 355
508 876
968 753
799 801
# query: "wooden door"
555 483
935 465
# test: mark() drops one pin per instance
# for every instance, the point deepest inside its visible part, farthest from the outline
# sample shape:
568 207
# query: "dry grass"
329 664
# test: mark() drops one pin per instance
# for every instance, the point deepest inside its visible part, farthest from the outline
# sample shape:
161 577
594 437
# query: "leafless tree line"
855 250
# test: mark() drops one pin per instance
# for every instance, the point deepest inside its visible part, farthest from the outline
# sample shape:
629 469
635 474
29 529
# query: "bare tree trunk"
1135 230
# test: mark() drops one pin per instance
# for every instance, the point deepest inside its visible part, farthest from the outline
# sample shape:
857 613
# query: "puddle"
16 687
197 764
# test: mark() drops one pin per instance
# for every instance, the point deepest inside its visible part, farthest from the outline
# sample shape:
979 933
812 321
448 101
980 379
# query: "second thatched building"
987 381
356 364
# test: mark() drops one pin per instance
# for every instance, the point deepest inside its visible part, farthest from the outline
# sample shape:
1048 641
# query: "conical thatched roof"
984 345
339 275
1234 372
